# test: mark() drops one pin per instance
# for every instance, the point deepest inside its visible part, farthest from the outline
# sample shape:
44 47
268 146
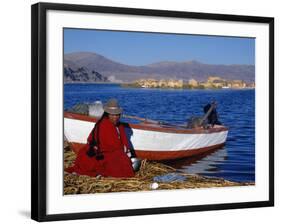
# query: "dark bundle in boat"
208 120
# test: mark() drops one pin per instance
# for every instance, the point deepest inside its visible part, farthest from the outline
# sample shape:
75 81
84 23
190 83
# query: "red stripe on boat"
161 155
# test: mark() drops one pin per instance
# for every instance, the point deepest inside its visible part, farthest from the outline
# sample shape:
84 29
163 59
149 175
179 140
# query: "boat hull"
150 141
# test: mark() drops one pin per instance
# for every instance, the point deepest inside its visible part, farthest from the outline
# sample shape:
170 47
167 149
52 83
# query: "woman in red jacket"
107 145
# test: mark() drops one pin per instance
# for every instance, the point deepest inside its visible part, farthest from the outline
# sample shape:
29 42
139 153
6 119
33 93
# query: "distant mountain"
117 72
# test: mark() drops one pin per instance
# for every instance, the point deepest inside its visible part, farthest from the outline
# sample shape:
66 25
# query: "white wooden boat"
151 141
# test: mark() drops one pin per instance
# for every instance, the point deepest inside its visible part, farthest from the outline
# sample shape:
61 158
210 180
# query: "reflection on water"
206 163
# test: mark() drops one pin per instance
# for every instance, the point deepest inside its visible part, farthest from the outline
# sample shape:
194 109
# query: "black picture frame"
39 115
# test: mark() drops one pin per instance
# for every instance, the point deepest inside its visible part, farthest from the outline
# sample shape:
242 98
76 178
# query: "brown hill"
162 70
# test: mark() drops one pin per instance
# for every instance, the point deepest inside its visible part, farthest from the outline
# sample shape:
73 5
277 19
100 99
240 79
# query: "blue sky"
137 48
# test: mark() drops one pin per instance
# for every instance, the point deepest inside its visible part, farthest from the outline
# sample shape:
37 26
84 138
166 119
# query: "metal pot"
136 163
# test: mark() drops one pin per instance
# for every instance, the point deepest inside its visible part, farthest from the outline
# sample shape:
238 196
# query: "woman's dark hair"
104 115
95 142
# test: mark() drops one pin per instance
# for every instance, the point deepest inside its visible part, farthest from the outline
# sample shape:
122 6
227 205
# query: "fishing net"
91 109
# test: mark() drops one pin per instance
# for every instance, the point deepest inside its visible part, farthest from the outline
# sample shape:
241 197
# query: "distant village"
213 82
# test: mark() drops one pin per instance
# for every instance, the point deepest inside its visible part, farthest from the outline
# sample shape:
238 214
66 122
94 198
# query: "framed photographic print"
140 111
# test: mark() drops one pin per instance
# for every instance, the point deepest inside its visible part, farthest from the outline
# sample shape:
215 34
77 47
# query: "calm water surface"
236 108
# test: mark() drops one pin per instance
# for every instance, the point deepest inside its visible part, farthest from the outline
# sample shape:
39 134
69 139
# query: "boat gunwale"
151 127
162 155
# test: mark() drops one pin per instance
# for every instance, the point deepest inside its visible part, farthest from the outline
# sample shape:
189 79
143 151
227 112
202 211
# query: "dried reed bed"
81 184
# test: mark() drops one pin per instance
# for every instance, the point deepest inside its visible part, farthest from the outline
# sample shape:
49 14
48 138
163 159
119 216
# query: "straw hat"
112 107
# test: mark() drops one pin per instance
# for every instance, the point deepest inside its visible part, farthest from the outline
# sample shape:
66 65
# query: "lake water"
236 108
